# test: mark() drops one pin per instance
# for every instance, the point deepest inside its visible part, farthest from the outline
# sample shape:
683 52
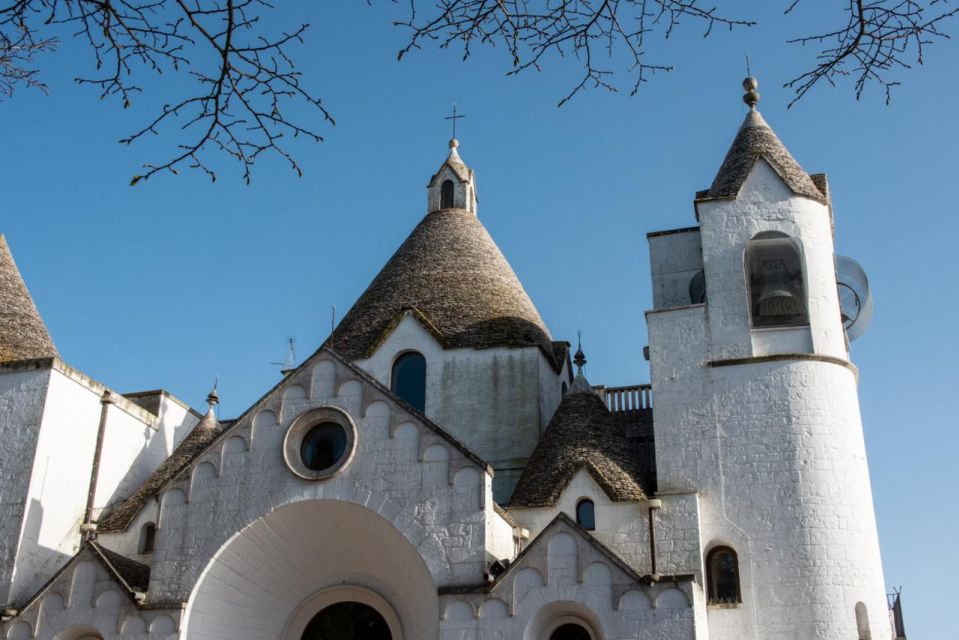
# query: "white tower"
756 402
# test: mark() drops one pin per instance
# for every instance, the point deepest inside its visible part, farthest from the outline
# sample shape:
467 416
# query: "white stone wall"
22 395
674 258
774 448
464 193
409 492
85 601
564 578
624 526
495 401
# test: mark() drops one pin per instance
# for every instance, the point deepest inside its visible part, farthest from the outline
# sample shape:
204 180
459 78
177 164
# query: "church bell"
778 296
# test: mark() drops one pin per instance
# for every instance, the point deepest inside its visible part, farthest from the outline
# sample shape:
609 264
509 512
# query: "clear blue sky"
178 280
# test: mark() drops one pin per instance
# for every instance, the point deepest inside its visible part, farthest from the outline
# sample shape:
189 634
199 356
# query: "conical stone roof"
755 140
23 336
582 434
454 277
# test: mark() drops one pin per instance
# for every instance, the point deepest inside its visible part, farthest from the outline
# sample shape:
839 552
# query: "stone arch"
199 479
324 380
79 632
672 598
20 630
82 584
162 626
234 452
310 551
459 610
526 580
350 396
555 614
109 599
293 395
862 622
598 574
494 609
133 625
562 553
635 599
170 502
264 423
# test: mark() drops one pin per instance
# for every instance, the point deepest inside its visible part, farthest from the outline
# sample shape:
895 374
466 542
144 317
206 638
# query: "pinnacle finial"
213 398
579 358
454 143
751 97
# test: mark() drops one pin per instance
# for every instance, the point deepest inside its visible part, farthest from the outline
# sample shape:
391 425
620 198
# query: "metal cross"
454 118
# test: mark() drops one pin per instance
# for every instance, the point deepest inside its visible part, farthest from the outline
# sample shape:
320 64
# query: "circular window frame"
302 426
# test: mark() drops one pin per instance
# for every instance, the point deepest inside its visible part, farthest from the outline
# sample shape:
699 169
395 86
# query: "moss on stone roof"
581 434
454 276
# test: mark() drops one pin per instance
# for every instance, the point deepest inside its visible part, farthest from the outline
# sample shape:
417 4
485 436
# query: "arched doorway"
347 621
290 565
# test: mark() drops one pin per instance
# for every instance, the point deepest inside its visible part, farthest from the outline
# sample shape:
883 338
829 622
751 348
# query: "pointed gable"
755 140
23 335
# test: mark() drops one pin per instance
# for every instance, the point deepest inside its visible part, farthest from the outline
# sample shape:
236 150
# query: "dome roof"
23 336
451 274
581 434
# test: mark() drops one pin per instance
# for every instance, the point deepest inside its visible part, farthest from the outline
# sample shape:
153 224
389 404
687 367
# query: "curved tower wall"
765 425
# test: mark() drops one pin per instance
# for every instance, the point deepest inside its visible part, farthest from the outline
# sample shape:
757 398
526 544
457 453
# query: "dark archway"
446 195
570 631
347 621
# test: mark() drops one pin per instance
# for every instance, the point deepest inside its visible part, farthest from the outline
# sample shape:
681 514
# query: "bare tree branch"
243 78
587 30
879 36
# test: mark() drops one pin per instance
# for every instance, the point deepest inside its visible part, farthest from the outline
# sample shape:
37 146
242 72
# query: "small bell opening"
776 285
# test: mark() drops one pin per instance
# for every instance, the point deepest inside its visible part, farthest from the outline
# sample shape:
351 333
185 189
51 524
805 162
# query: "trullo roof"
23 336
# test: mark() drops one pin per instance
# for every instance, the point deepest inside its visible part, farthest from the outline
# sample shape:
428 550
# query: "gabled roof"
132 576
456 165
582 434
755 140
23 336
119 517
205 434
452 273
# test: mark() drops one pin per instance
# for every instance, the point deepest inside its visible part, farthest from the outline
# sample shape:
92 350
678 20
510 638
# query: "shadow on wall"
37 561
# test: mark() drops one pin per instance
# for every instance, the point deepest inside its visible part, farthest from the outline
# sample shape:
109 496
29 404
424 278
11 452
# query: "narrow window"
722 576
586 514
148 536
409 379
777 292
564 389
862 622
446 195
697 288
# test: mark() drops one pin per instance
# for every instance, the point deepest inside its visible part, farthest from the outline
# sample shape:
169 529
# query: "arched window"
722 576
586 514
570 631
777 290
446 195
148 535
697 288
862 622
348 621
409 379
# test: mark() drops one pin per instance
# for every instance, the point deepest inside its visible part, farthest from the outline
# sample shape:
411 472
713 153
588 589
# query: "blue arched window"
409 379
586 514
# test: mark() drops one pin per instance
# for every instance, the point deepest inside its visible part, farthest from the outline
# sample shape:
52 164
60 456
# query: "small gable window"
722 576
148 535
777 291
409 379
446 195
586 514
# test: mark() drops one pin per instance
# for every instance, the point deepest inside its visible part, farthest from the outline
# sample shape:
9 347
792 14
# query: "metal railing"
635 397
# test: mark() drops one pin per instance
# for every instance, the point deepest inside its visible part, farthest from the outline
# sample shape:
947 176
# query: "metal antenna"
291 357
454 118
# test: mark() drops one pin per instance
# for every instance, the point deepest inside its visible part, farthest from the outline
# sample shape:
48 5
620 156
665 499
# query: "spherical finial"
213 398
750 84
454 143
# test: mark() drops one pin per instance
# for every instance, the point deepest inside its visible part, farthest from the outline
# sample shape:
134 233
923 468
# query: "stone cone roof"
451 274
755 140
23 335
581 434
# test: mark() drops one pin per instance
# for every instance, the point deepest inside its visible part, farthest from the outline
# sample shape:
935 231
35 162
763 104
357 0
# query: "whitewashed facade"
748 516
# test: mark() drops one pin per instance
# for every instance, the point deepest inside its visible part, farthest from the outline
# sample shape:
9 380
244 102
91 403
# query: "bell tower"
757 408
453 186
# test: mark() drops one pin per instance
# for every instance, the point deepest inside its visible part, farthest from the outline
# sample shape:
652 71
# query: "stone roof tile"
23 335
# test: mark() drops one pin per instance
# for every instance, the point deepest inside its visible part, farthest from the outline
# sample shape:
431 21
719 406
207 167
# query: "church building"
441 468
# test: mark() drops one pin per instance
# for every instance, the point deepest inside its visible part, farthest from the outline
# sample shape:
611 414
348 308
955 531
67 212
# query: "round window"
319 443
323 446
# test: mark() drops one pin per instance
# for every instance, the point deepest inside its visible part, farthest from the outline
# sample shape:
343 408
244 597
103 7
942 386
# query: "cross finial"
454 118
